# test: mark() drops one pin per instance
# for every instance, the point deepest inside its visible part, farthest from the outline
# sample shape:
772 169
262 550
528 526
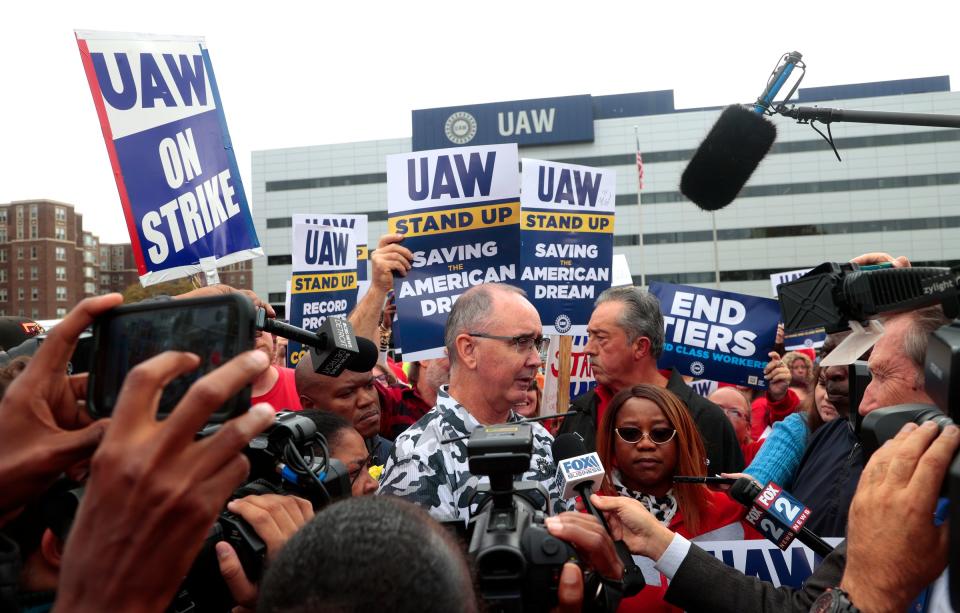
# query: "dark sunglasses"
659 436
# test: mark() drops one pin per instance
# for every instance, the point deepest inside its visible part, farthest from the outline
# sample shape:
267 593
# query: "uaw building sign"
525 122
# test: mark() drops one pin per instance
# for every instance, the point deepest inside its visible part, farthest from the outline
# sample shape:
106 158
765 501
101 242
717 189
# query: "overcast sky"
341 72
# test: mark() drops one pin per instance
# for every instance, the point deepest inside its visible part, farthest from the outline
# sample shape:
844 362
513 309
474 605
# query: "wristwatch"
834 600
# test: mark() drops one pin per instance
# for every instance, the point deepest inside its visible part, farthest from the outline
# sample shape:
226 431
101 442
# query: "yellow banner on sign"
456 220
363 253
567 222
323 282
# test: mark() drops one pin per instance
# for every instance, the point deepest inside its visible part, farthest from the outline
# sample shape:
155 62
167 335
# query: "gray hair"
922 323
473 312
641 315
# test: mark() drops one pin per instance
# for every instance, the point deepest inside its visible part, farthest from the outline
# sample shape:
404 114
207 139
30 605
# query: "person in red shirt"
646 437
777 402
402 405
276 386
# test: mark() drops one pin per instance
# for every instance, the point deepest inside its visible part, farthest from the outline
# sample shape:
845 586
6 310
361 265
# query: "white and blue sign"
324 282
167 139
717 335
357 224
581 374
459 210
526 122
566 257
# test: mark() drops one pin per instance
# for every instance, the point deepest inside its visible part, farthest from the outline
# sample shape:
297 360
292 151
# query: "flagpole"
643 264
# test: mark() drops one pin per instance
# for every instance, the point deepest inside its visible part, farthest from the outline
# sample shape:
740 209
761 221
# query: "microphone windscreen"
567 446
366 358
727 157
744 490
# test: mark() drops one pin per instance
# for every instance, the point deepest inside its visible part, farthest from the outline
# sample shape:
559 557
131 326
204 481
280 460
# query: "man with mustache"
626 336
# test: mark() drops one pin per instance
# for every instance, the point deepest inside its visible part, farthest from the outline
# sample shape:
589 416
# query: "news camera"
518 562
831 295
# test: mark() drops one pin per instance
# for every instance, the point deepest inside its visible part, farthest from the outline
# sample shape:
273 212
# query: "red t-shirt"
766 413
400 408
283 395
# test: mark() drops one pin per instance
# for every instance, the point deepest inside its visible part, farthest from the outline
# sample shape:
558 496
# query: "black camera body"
518 562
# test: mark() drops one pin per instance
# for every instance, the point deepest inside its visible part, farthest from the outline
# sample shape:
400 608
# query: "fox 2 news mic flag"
163 122
460 212
567 241
717 335
324 282
357 224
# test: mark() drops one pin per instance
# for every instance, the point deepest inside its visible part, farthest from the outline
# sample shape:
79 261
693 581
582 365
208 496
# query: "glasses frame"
643 434
538 341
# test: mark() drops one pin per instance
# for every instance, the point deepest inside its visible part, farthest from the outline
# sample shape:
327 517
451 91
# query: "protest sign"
163 123
358 224
566 232
324 282
783 277
581 375
621 271
716 335
459 210
755 558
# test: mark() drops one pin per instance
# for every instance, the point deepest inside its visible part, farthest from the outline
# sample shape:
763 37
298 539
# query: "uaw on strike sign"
163 122
459 212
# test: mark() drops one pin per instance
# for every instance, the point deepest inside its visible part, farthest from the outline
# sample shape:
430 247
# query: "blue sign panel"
717 335
525 122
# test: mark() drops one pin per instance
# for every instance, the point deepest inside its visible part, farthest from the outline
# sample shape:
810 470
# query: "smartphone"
216 328
707 480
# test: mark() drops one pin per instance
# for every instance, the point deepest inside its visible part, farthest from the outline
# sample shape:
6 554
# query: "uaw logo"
697 368
460 128
562 323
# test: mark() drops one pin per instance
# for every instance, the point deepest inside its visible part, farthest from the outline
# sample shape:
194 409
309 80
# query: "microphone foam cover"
567 446
365 360
727 157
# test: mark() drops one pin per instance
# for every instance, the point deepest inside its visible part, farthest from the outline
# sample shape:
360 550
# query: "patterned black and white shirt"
437 476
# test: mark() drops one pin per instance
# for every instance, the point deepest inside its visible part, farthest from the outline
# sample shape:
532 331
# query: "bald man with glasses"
493 338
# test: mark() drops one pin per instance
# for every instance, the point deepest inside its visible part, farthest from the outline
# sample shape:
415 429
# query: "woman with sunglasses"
647 436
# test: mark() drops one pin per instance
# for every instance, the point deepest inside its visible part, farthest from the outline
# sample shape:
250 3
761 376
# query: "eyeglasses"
354 475
659 436
523 343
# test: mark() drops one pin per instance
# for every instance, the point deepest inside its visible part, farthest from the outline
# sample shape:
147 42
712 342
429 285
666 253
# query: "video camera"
518 562
831 295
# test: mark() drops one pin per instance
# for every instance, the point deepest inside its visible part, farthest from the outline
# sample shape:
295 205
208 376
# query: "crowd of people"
152 488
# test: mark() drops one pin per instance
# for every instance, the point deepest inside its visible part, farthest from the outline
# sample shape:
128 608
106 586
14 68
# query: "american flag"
639 166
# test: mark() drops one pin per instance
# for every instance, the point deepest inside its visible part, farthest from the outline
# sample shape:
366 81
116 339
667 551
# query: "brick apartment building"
48 263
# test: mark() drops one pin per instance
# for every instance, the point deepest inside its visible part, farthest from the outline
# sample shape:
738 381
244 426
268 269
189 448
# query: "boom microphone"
736 144
777 515
578 472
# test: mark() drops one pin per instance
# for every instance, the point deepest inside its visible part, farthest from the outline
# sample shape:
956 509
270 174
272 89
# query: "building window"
33 252
34 273
61 293
89 288
60 233
19 253
62 273
3 216
20 294
61 312
35 313
105 280
3 275
88 272
34 294
19 273
3 234
60 213
61 253
3 255
3 294
33 211
34 232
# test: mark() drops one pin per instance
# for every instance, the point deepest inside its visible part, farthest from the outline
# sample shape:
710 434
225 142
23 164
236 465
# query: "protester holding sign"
646 437
626 337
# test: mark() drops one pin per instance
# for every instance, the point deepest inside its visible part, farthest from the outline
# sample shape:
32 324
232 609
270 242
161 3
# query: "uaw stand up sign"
566 255
166 135
459 210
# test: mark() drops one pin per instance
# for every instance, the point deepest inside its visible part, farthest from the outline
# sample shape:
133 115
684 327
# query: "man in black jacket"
625 340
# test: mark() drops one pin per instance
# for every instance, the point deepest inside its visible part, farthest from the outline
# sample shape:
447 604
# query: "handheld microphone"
736 144
333 348
578 472
777 515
